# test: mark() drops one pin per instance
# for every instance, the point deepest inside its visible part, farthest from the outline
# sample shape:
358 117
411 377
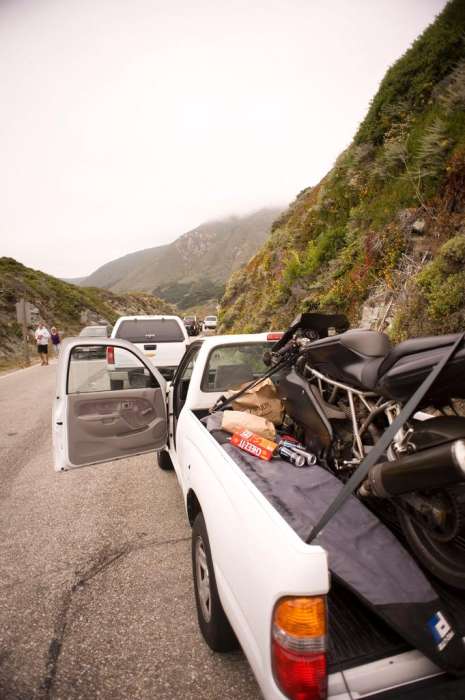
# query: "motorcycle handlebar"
295 345
290 345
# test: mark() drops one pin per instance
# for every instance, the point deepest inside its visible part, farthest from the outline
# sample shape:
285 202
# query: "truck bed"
356 634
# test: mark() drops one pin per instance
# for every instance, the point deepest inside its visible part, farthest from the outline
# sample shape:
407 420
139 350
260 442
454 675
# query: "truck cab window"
183 380
231 365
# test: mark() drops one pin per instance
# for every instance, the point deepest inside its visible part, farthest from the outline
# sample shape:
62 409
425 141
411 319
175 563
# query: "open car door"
106 410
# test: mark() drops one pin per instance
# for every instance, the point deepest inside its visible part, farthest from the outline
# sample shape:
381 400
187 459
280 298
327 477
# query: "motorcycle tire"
446 560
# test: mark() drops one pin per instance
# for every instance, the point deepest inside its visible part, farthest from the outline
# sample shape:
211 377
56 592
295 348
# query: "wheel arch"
193 506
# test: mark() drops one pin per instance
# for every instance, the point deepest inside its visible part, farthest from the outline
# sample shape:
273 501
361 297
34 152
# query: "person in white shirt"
42 337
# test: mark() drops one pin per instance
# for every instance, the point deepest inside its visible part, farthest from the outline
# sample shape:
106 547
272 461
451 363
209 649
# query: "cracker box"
254 444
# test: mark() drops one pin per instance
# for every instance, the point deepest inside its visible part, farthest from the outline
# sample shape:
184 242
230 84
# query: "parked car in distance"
210 323
162 339
89 352
97 331
192 325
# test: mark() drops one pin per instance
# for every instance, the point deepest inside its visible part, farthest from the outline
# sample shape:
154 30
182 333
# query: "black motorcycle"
343 388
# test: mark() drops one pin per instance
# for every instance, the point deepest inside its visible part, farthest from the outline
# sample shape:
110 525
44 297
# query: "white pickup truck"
163 339
256 581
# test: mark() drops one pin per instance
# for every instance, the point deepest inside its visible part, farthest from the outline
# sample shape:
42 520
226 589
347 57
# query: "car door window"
187 372
104 368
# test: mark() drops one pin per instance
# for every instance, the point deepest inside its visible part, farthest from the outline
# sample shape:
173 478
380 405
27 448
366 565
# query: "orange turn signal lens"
301 617
298 647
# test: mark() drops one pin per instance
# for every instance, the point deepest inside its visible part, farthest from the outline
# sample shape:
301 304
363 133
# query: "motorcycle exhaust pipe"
436 467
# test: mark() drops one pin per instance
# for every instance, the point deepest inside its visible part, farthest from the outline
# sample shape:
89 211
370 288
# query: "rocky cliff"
382 236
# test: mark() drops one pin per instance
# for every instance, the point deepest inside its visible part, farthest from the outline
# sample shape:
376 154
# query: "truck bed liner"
356 635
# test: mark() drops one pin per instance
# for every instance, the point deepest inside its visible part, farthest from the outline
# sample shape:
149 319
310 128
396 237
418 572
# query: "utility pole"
22 318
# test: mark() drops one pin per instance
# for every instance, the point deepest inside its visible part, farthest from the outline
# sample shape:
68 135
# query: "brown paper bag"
235 421
262 400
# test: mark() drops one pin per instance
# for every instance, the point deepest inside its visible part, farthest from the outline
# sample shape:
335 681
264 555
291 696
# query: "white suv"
210 322
163 339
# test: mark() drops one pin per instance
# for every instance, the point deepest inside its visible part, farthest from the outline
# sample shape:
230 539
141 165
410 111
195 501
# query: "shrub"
433 148
443 280
454 92
412 78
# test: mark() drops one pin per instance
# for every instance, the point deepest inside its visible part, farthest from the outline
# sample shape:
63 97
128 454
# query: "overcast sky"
124 123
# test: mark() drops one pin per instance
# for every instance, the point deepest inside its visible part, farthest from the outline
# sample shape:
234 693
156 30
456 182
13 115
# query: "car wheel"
164 460
213 622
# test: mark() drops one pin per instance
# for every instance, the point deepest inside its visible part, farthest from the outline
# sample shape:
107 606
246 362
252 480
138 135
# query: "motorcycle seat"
410 362
353 357
415 352
366 342
372 345
366 360
412 347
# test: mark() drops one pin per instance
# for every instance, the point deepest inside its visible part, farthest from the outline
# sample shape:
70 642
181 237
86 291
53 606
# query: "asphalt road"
96 597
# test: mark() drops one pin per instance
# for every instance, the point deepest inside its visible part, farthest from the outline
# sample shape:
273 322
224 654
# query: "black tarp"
363 555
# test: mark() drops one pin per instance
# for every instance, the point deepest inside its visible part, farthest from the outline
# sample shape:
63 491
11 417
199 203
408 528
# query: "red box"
254 444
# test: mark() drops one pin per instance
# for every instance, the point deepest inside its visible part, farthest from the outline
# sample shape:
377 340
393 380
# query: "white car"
210 323
96 331
256 581
162 339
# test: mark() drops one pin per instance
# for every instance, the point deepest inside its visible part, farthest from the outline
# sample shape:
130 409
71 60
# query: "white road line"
23 369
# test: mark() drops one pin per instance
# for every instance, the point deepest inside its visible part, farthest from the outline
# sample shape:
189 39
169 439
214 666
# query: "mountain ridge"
195 266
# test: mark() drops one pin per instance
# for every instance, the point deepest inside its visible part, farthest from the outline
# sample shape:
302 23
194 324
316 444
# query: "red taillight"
298 647
300 676
275 336
110 355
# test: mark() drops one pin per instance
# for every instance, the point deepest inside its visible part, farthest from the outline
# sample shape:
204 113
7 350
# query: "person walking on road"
56 340
42 337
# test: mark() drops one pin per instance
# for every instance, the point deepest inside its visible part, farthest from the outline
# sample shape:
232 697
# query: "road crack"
71 567
103 560
55 645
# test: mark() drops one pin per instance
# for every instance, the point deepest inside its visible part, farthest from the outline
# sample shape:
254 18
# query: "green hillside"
113 274
59 303
194 268
382 236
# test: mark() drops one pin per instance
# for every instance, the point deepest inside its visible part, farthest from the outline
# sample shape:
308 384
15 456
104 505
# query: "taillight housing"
298 647
110 355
